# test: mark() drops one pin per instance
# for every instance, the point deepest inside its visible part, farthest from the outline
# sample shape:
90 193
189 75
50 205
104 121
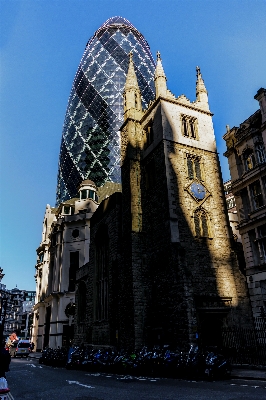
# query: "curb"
249 378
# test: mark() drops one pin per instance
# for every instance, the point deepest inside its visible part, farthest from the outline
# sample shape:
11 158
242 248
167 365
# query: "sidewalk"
248 372
238 371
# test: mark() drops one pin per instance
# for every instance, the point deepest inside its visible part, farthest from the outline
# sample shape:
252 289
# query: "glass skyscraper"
90 147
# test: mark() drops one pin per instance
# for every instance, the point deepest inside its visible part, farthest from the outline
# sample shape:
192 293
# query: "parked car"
20 348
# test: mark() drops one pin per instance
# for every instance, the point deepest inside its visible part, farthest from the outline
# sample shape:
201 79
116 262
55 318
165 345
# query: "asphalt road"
29 380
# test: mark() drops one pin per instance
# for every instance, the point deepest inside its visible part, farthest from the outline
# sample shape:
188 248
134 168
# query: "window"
73 267
83 194
262 231
67 210
75 233
189 126
254 246
249 159
88 194
194 167
256 195
201 223
24 345
102 271
260 153
149 137
262 242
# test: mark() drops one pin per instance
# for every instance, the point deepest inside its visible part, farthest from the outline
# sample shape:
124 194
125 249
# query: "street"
28 379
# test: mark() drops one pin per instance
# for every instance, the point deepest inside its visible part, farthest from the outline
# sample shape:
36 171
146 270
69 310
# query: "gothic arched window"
260 153
189 126
194 167
201 223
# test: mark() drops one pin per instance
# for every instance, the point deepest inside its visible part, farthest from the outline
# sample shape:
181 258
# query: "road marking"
80 384
125 377
32 365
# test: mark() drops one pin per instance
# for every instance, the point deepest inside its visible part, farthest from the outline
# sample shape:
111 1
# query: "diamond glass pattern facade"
90 147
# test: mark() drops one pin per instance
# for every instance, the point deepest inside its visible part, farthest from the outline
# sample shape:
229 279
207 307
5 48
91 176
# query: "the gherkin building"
90 147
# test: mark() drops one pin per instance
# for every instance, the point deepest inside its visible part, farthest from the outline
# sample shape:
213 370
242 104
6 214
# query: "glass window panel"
83 194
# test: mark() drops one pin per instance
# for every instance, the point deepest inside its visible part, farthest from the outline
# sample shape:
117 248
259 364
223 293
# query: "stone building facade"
171 267
247 162
231 209
63 250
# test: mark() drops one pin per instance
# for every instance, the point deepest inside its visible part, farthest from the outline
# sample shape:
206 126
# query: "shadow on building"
163 267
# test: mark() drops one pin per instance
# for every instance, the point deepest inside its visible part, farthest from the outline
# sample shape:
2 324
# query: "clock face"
198 190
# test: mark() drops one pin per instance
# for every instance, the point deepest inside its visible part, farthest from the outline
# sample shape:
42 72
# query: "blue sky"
41 44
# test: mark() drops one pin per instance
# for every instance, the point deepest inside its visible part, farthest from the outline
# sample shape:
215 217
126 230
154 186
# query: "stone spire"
201 92
132 95
160 78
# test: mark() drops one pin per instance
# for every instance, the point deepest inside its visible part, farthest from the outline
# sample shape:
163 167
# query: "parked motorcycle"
159 361
217 366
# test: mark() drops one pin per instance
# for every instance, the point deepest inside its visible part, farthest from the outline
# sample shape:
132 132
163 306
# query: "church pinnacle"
132 95
201 92
160 78
131 79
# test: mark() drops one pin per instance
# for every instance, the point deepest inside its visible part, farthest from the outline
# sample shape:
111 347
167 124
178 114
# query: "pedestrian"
32 345
5 359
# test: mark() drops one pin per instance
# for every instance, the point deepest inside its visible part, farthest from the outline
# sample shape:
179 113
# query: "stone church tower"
182 279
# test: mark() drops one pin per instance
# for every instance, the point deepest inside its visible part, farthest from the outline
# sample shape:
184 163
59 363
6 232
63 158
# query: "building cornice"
248 177
254 219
